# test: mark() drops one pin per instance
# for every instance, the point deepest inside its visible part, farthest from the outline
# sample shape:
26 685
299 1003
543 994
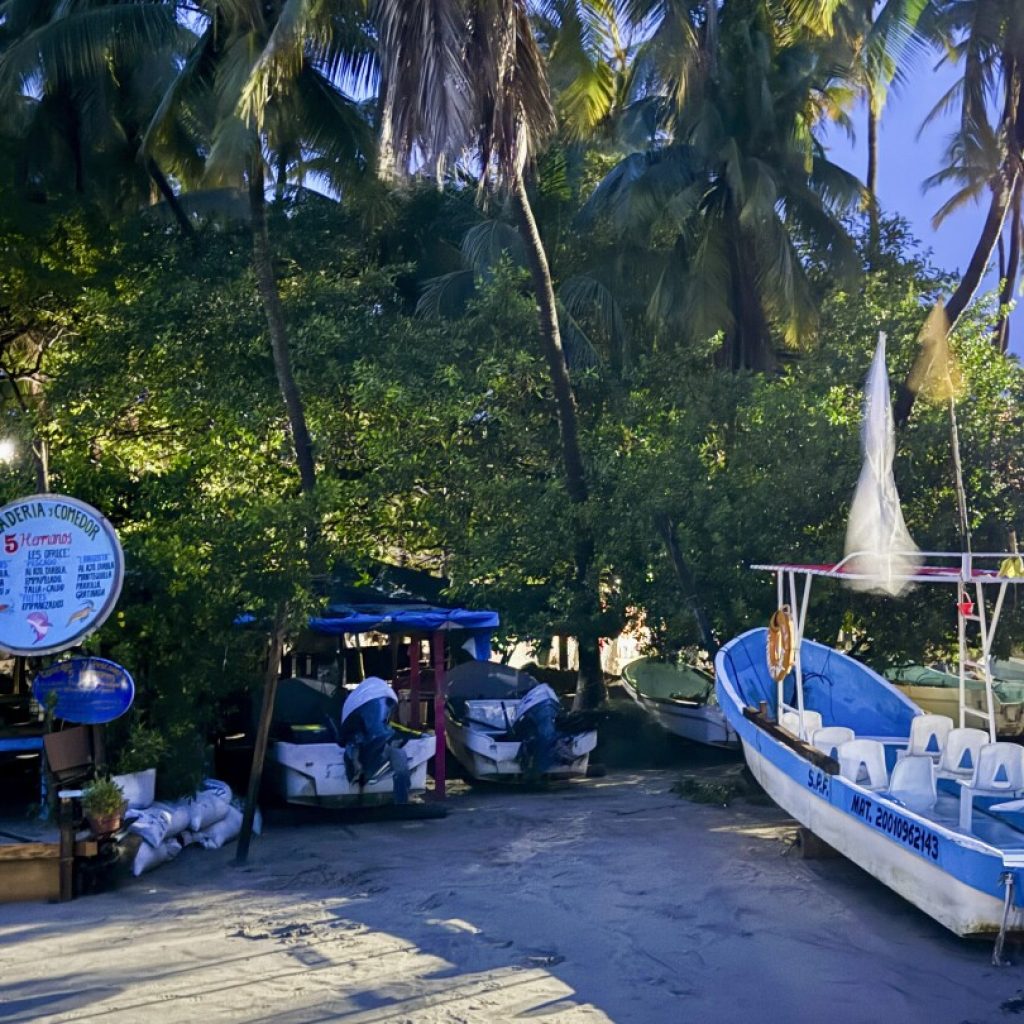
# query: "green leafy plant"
143 749
103 798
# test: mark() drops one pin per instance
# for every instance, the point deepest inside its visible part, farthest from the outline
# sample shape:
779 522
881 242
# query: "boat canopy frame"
966 570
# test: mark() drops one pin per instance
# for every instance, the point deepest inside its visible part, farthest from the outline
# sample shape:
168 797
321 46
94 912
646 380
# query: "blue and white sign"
90 691
61 570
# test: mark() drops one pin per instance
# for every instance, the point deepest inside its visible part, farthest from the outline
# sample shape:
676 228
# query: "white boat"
680 698
930 806
502 725
360 765
847 754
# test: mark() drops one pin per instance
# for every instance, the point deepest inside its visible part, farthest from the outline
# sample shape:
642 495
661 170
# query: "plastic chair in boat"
913 782
928 735
831 738
863 762
960 754
791 721
1000 772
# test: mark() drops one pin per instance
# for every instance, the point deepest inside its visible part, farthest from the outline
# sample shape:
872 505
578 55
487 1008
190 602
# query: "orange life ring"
781 651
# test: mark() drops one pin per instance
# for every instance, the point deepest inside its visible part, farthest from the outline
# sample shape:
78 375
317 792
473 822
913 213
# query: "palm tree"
263 80
735 178
465 77
985 157
986 154
78 84
880 41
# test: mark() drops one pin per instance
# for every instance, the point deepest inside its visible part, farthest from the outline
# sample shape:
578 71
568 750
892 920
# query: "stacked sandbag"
209 819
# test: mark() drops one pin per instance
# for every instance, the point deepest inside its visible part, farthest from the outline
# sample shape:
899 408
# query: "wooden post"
275 649
439 748
67 849
414 683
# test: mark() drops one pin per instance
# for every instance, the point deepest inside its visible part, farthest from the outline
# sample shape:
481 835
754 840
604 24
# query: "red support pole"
414 683
439 749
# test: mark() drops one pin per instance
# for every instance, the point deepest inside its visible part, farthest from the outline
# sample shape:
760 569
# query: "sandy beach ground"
610 900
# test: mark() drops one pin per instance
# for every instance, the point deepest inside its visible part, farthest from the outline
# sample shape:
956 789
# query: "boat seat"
863 762
960 754
913 782
928 735
831 738
1000 772
791 721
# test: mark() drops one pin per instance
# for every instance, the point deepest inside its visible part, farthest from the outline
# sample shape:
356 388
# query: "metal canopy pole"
414 682
439 745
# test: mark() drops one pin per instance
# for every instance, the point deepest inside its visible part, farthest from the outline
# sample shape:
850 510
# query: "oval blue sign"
61 568
90 691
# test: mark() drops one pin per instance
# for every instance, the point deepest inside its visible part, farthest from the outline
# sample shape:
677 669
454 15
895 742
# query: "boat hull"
701 723
953 877
313 774
489 759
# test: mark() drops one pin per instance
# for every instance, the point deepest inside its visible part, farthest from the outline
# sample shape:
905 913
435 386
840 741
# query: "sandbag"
206 809
153 825
219 789
223 831
149 857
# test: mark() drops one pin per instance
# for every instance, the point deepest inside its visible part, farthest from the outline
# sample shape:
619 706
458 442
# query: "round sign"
61 569
89 691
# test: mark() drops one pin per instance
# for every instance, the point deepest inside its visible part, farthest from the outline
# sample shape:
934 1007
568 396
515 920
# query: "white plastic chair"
863 762
791 721
1000 772
831 738
928 735
960 755
913 782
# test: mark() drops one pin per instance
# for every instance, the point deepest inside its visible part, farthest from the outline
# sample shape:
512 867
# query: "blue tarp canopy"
408 618
390 618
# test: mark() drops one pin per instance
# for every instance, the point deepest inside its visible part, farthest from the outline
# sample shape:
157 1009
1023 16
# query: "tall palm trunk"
1003 190
666 526
271 300
874 117
1002 193
750 338
590 685
1009 272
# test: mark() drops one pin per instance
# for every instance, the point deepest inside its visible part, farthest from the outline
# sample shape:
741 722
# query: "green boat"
681 699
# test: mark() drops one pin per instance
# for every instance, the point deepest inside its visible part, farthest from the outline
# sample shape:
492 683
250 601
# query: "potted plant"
103 804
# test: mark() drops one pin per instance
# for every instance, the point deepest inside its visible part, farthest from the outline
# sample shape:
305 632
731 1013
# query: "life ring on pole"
781 649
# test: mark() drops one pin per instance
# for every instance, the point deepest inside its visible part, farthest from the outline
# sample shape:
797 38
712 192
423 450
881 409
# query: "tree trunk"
1009 273
874 116
751 344
590 685
711 34
667 528
170 198
1002 192
271 299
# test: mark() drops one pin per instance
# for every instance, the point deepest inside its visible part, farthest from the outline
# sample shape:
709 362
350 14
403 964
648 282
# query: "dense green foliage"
712 294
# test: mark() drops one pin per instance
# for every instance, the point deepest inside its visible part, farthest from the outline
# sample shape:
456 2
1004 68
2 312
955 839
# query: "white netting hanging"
876 530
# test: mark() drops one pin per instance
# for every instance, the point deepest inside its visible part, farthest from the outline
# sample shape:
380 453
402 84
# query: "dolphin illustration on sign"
40 624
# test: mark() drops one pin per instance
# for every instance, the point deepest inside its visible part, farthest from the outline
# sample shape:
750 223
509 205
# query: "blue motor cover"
542 745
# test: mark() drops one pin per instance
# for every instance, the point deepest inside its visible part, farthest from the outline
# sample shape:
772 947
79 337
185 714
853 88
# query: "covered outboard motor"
368 738
542 746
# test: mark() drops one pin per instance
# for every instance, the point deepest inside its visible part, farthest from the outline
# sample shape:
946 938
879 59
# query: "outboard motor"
542 746
368 738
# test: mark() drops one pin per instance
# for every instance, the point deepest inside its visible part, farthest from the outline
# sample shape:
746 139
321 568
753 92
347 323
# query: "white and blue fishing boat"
931 807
